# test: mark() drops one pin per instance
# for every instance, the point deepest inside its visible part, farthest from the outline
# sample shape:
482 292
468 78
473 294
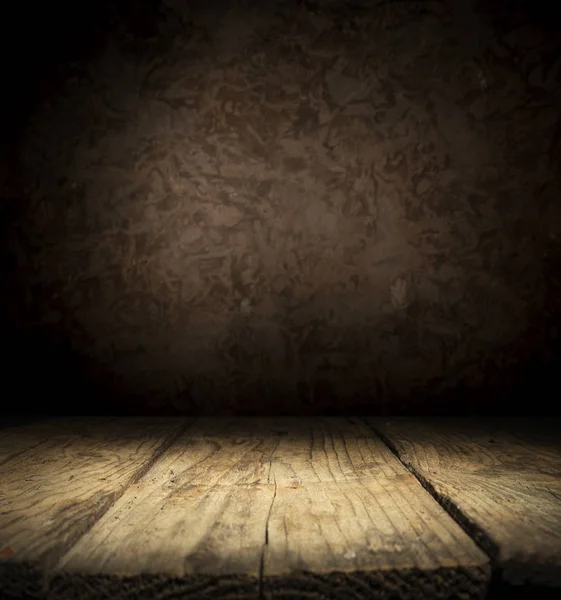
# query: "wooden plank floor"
500 478
263 508
56 479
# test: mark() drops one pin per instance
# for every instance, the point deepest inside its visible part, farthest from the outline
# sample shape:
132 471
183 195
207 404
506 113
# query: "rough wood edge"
77 586
404 584
26 580
21 581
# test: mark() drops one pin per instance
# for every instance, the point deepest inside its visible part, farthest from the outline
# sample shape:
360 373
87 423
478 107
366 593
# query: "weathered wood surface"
57 477
198 515
501 478
348 521
274 508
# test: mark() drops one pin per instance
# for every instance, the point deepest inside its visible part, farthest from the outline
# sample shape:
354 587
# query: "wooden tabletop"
276 508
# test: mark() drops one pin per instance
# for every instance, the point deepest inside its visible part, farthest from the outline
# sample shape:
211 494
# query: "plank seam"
262 561
158 452
470 527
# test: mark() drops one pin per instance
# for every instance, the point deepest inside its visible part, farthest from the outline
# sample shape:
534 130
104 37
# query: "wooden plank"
501 478
349 521
271 508
57 477
193 526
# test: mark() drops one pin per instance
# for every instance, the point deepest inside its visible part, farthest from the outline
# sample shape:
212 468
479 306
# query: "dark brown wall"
286 207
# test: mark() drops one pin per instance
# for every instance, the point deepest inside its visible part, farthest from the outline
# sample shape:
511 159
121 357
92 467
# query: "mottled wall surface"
293 206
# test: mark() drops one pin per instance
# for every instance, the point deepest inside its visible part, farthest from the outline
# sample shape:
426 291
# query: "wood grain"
500 478
269 508
349 521
57 477
198 518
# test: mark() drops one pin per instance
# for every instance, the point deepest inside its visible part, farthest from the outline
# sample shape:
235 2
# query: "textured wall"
293 207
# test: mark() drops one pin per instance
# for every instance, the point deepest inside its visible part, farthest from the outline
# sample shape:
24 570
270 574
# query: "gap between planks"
500 480
471 528
331 473
45 455
300 485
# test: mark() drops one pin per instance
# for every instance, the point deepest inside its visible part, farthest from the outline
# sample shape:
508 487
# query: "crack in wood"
262 561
